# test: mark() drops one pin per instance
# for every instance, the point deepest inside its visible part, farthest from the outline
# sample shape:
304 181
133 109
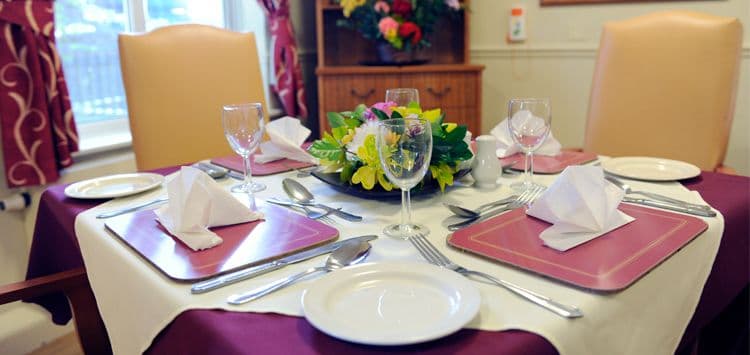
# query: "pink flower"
453 4
383 7
386 107
388 26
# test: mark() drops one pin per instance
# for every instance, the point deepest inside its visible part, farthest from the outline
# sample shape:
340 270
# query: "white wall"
558 59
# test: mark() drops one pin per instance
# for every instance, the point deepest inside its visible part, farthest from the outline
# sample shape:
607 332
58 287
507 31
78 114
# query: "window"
86 34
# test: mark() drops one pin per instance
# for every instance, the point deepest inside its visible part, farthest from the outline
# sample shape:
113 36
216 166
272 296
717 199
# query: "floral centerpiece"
350 148
403 24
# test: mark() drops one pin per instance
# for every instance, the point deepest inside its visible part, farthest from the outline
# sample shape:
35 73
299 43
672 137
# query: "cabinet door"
456 93
343 92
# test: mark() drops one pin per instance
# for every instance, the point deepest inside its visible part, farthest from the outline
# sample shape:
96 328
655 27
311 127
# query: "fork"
435 257
524 198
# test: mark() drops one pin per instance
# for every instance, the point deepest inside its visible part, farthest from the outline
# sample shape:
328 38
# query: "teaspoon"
300 194
468 213
345 255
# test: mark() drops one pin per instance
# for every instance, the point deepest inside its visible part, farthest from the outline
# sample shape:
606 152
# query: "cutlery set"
354 250
504 205
233 277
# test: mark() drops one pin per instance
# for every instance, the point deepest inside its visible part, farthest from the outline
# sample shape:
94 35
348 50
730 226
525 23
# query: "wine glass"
402 96
404 148
529 122
244 127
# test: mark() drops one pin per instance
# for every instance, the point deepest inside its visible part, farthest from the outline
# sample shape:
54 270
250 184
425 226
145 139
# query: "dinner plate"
651 169
392 303
114 185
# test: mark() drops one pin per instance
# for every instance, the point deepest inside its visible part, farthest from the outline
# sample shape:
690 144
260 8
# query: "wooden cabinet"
447 81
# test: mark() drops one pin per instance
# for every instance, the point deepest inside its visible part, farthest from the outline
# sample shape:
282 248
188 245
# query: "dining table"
664 311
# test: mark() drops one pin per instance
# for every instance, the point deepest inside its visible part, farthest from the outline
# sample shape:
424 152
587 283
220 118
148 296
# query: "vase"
387 55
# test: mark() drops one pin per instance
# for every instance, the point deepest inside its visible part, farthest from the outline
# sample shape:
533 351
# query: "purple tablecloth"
55 249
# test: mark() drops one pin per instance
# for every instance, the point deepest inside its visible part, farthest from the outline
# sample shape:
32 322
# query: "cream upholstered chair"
177 78
665 86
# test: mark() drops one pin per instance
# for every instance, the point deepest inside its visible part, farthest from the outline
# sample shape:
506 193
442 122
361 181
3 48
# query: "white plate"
391 303
652 169
114 185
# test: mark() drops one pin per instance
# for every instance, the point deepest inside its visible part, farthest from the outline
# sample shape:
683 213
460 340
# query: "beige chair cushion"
665 86
177 78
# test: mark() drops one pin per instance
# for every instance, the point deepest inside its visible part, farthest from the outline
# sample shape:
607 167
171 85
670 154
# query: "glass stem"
528 168
248 170
405 209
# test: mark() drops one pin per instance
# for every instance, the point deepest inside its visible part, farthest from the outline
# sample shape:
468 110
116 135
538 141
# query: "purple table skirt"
54 248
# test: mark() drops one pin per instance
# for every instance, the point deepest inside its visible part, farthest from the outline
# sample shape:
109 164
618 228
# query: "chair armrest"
92 333
59 282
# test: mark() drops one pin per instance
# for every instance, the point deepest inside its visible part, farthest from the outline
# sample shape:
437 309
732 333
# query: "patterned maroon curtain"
289 86
38 131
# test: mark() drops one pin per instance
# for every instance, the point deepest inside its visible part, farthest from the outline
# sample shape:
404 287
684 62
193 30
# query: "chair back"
664 86
177 78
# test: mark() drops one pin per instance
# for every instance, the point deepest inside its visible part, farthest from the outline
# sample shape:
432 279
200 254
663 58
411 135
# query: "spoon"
214 173
345 255
468 213
300 194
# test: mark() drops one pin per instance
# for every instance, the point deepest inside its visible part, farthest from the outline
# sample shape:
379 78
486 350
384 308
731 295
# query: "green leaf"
327 149
335 119
456 135
396 114
347 171
352 122
339 132
380 114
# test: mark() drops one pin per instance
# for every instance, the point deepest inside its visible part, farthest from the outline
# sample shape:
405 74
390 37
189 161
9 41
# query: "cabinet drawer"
344 92
444 90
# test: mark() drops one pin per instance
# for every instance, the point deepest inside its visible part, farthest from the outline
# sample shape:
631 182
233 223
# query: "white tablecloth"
137 301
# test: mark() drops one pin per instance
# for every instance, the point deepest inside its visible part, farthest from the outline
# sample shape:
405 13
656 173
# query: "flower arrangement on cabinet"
350 148
403 24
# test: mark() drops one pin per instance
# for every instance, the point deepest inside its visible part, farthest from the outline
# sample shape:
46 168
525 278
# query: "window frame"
114 134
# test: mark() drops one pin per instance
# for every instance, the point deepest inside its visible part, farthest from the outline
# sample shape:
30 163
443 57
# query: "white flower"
360 133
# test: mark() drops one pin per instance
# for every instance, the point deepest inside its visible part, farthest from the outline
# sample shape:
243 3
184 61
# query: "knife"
228 279
668 206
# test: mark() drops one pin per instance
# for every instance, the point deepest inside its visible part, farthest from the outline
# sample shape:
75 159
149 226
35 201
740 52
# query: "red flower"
410 29
401 7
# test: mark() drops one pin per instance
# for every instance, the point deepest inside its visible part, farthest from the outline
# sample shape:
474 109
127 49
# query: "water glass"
529 122
244 127
402 96
404 148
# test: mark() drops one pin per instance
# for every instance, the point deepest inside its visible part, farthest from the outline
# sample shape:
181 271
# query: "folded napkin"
286 136
197 202
581 205
506 147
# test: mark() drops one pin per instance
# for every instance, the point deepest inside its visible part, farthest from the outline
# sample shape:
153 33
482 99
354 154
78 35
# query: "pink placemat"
282 232
544 164
610 262
279 166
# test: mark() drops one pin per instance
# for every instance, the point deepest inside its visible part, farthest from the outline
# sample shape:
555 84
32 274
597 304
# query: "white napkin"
197 202
506 147
286 136
581 205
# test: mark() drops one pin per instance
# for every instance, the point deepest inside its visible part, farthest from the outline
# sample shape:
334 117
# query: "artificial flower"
350 5
350 148
388 27
410 30
402 7
403 24
383 7
453 4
